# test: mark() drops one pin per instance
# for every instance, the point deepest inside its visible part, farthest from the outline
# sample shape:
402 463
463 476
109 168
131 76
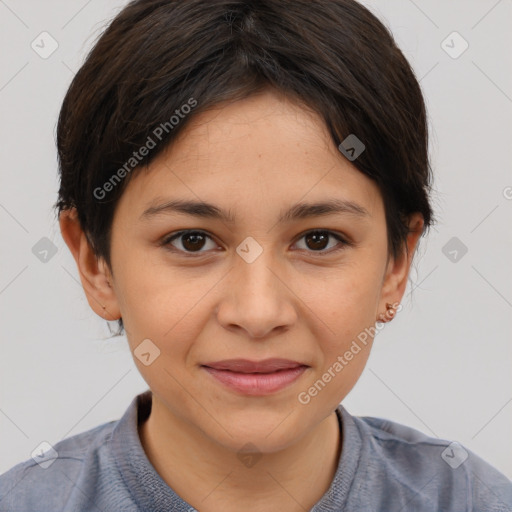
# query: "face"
257 284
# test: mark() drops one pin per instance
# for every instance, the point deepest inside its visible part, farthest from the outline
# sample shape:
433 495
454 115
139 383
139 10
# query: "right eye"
191 241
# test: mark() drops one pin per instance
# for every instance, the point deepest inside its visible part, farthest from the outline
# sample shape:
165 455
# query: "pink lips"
256 377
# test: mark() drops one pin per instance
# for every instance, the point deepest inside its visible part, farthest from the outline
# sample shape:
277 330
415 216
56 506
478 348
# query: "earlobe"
94 273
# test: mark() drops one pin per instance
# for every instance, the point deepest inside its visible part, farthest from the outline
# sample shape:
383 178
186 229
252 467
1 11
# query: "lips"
247 366
256 378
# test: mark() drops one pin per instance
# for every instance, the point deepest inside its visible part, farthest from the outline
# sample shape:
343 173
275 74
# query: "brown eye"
318 241
193 241
190 241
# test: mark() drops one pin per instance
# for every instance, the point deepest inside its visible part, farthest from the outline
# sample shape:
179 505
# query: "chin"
268 434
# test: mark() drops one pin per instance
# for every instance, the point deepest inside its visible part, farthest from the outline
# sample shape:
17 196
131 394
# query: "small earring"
390 312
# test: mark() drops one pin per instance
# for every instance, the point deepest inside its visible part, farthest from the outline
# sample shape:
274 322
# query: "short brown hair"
333 56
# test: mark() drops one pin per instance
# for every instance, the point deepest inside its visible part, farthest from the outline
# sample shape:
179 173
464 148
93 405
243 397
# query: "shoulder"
45 481
427 471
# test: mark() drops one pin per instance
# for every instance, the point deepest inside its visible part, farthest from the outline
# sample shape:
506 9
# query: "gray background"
442 366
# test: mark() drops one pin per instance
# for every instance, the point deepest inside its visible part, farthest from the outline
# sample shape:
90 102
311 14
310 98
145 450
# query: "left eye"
318 238
192 241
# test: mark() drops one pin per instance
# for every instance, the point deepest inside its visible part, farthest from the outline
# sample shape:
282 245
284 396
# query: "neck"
210 477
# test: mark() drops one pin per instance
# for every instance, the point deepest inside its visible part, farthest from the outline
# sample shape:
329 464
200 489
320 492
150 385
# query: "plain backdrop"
442 366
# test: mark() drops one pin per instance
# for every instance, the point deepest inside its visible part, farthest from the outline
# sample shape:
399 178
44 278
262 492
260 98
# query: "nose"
257 298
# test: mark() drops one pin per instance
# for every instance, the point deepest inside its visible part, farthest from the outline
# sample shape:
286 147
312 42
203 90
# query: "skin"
255 157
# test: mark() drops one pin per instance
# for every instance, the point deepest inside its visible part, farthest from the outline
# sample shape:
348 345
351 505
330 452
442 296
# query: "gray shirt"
384 466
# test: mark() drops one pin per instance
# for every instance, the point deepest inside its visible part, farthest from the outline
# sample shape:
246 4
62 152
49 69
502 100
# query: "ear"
397 272
95 275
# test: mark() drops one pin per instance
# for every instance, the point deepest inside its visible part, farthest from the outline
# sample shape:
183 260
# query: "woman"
243 187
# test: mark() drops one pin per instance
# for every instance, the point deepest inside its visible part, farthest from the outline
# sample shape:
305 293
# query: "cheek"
148 287
344 335
344 305
344 332
164 304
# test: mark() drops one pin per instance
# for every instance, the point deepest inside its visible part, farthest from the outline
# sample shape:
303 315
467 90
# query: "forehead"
262 152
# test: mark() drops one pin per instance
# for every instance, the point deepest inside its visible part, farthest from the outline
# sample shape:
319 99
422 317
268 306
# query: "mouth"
255 378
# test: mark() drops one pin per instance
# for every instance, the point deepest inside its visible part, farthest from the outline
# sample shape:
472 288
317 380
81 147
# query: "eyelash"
166 242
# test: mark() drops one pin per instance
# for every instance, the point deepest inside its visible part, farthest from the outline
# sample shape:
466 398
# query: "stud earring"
390 309
388 315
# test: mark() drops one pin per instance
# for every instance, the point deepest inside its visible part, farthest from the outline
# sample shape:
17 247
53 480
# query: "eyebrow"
297 211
